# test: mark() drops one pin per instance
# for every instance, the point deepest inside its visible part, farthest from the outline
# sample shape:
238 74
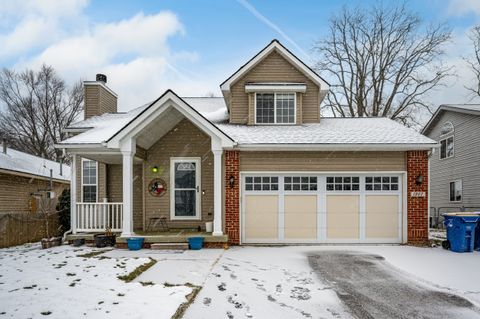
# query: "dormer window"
275 108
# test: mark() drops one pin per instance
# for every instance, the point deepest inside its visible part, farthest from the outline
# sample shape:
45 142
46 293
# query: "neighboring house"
24 179
455 165
260 163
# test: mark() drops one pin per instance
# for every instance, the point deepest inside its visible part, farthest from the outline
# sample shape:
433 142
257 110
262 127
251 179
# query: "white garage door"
321 208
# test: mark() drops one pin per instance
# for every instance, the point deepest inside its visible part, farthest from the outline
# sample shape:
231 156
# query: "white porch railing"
96 217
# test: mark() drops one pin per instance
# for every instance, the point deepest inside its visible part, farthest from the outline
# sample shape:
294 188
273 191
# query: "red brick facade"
232 197
417 206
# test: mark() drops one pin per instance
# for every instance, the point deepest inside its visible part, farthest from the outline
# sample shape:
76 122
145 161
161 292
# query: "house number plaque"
418 194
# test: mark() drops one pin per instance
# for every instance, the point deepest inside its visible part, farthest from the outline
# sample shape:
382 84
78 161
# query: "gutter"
336 147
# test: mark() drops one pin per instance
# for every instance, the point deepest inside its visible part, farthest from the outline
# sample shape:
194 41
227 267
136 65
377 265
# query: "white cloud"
462 7
31 24
134 53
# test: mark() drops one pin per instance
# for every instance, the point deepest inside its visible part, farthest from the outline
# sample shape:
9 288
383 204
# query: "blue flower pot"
195 243
135 243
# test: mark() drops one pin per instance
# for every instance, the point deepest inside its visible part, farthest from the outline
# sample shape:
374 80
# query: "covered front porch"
161 179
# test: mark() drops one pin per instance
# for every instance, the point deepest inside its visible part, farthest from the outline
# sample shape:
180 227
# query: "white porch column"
217 192
73 194
128 151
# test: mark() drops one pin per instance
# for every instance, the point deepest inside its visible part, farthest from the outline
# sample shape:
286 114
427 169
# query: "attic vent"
101 78
447 127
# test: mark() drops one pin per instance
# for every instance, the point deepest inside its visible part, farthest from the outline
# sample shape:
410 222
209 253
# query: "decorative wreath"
157 187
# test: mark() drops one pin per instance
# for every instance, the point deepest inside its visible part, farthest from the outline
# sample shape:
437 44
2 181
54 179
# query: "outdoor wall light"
155 169
232 181
419 180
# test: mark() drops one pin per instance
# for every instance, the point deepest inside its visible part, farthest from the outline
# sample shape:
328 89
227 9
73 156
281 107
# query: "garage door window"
381 183
261 183
343 183
300 183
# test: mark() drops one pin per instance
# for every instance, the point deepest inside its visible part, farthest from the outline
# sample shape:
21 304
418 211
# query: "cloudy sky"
190 46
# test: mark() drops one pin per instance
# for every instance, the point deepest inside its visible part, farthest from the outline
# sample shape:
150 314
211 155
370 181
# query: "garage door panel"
261 217
382 220
300 216
343 216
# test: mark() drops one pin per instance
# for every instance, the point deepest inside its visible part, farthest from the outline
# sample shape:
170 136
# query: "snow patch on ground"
57 283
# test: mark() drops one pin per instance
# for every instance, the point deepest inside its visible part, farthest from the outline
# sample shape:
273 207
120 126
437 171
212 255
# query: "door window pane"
185 175
185 203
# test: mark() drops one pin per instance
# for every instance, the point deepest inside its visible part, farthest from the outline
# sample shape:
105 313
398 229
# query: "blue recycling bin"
461 228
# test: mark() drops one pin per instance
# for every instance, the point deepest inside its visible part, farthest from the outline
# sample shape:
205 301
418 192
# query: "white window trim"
81 179
198 176
275 108
440 150
461 194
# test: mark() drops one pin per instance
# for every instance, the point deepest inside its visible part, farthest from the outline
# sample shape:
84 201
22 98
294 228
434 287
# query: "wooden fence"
21 228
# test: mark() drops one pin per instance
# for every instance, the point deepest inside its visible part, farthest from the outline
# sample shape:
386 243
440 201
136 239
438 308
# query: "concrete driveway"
371 288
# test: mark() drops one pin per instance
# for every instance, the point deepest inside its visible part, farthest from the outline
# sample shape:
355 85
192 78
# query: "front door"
185 188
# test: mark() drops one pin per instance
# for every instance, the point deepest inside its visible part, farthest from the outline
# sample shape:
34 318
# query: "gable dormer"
274 87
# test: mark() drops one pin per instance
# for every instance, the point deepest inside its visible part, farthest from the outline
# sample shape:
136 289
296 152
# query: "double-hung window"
275 108
446 147
456 189
89 181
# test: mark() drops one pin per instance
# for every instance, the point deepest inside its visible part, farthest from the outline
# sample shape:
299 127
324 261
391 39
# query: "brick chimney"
98 97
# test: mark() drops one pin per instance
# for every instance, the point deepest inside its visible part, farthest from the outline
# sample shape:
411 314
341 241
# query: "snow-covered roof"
328 131
101 128
337 131
22 162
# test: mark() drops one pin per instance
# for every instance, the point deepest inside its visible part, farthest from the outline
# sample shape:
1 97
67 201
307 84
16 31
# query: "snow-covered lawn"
242 282
57 283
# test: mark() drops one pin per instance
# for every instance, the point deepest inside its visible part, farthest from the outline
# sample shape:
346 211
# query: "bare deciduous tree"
37 107
474 61
381 62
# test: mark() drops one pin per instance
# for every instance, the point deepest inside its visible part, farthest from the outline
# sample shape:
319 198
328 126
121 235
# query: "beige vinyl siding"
115 191
273 68
322 161
15 191
185 140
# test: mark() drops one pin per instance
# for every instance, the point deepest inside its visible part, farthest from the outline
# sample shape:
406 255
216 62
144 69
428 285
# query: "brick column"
232 197
417 206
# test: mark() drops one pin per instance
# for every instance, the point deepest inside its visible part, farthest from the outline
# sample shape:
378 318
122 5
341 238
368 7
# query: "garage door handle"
198 188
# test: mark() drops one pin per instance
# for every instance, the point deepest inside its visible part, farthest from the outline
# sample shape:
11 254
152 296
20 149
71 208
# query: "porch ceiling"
159 127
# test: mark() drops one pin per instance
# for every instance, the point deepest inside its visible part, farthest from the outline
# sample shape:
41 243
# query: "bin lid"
462 214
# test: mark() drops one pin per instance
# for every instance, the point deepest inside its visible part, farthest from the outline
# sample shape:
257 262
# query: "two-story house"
260 163
454 167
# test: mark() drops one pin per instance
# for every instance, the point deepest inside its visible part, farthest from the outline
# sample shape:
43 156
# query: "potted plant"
47 211
104 240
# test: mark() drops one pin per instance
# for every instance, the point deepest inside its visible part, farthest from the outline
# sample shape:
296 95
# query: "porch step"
165 246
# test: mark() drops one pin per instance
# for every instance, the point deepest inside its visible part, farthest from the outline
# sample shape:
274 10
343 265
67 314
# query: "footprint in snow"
229 315
300 293
222 286
278 289
207 301
233 276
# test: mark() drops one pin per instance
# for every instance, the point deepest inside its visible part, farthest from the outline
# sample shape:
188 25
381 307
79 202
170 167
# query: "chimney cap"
101 78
